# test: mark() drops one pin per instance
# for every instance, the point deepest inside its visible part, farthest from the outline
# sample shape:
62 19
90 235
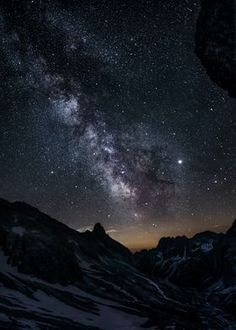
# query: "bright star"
180 161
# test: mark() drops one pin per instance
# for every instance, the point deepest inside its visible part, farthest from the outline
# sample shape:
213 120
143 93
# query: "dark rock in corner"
232 229
216 40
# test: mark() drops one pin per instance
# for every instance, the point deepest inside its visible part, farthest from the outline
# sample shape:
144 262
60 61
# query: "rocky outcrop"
216 42
232 230
205 263
193 262
99 245
41 246
37 244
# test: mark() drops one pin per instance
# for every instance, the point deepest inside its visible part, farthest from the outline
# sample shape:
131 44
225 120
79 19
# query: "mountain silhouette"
53 277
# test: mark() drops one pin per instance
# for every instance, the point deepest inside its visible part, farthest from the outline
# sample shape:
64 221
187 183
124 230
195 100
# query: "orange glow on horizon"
141 237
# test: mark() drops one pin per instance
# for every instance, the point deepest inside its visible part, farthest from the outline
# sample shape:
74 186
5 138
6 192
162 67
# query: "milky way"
107 115
133 164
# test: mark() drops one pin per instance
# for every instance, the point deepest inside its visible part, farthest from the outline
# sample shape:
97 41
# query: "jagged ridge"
182 283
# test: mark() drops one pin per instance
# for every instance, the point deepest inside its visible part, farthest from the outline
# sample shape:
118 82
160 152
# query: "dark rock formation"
44 247
37 244
216 42
205 263
196 261
232 230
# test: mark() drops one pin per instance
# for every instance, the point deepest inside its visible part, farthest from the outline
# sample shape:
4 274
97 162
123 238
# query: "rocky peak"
99 230
46 248
232 229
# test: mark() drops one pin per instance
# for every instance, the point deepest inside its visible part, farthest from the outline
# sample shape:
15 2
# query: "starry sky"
108 116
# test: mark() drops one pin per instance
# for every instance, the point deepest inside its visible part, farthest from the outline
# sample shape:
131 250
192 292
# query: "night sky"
108 116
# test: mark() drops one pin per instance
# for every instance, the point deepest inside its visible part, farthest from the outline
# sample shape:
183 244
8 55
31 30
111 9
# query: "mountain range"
54 277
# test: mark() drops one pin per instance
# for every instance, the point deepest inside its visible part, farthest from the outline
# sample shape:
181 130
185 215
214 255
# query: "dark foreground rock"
216 42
